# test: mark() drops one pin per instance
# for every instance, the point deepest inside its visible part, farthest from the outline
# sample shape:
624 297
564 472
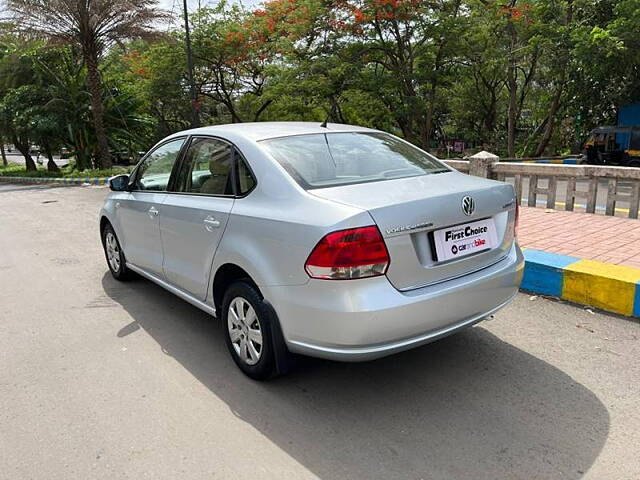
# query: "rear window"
327 160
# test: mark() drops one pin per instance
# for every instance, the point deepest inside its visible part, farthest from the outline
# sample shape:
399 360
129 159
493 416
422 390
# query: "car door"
139 211
196 213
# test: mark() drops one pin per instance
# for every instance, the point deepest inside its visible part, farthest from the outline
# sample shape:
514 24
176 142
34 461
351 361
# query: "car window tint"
327 160
245 179
207 168
154 172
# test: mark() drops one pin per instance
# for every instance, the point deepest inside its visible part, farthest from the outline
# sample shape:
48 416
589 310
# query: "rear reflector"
349 254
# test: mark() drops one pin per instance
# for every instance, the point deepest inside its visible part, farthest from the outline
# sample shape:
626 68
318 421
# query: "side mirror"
119 183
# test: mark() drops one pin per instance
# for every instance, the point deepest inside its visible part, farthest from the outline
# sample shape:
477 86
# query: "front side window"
207 168
154 172
327 160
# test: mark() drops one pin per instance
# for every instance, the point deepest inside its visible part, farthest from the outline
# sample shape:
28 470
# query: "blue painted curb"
543 272
66 181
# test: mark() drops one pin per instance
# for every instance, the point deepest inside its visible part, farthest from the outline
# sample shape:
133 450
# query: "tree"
156 76
17 111
92 25
2 152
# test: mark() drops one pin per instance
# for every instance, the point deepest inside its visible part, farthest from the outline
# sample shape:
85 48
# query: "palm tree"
91 25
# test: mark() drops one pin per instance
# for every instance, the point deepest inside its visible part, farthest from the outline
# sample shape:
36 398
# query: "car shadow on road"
469 406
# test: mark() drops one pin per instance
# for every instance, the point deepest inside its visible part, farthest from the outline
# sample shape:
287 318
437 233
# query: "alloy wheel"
113 251
245 331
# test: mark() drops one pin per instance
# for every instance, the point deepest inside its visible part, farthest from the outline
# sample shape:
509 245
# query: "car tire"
252 332
114 254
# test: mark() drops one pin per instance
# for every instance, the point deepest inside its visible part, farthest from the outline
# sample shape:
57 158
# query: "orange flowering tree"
155 74
235 49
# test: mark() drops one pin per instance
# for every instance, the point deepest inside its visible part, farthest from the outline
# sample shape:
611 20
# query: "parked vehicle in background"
613 146
125 157
331 240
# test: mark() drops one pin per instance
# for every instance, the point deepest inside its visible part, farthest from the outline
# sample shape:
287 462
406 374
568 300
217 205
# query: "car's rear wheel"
114 254
250 331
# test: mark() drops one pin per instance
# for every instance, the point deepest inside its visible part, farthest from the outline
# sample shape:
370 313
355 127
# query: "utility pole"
195 116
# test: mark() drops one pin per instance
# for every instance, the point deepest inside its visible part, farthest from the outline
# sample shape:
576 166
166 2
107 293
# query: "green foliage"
16 170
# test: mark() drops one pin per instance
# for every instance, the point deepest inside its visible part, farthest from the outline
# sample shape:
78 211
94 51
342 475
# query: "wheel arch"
104 221
225 275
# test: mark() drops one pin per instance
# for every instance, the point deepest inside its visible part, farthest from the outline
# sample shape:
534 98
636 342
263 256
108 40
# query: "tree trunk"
23 148
512 87
429 117
262 108
551 123
82 160
4 155
97 108
51 164
555 103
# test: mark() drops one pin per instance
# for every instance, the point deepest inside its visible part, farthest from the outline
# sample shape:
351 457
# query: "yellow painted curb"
610 287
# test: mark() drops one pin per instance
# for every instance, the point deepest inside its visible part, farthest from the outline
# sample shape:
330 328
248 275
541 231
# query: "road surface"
101 379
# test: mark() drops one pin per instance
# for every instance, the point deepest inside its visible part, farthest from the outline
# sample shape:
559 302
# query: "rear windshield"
327 160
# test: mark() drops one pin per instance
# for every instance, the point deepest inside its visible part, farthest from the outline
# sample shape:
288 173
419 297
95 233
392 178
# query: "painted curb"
554 161
615 288
66 181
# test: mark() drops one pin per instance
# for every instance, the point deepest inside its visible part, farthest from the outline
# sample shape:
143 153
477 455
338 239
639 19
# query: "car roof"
257 131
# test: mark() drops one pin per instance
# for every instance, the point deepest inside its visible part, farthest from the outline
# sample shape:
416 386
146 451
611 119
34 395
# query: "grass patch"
17 170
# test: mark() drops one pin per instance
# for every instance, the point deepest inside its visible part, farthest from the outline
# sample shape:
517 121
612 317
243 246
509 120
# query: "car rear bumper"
356 320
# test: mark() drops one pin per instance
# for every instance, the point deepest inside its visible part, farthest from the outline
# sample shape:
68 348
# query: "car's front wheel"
114 254
249 329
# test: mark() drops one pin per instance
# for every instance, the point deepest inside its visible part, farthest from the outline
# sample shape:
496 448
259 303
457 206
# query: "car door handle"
153 212
210 223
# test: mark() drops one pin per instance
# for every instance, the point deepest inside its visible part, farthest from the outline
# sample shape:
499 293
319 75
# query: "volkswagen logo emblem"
468 205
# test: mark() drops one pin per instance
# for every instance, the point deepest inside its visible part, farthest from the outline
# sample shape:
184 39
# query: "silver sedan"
330 240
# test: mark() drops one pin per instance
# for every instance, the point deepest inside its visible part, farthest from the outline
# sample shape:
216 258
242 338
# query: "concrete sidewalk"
612 240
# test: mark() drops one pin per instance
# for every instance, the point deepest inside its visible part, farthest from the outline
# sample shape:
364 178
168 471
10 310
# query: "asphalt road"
100 379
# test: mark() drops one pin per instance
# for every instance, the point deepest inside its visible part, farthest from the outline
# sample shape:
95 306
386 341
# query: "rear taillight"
349 254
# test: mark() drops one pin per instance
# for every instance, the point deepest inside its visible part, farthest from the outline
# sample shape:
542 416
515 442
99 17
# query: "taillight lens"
349 254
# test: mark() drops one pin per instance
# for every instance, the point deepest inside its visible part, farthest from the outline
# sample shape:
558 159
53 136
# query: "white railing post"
481 164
